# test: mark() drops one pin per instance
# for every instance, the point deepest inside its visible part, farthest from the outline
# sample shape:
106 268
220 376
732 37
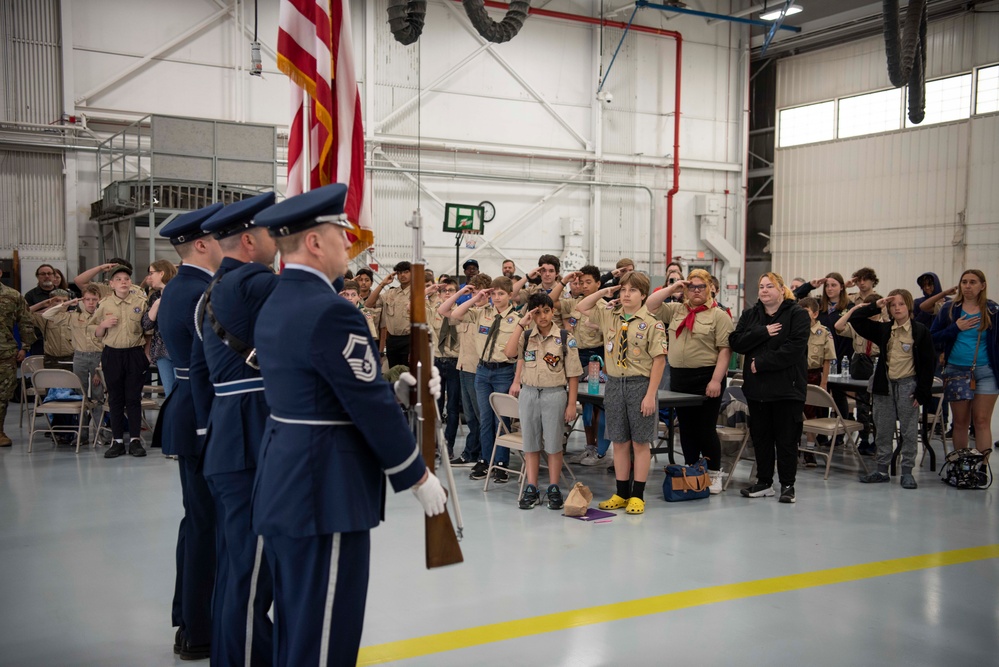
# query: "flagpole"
306 145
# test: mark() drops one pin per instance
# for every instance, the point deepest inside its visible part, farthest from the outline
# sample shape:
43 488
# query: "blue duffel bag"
686 482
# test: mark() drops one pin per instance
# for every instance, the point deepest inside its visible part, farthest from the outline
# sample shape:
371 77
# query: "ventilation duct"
494 32
406 18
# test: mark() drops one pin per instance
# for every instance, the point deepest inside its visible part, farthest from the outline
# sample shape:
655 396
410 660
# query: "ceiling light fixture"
774 14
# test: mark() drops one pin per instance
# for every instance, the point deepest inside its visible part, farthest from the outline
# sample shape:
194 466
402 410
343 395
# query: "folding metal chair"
832 426
46 379
28 368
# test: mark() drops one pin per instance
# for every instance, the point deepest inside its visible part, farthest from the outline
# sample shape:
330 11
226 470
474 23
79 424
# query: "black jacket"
781 360
923 356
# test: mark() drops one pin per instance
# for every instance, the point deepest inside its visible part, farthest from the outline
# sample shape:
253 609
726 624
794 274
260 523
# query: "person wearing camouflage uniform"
13 310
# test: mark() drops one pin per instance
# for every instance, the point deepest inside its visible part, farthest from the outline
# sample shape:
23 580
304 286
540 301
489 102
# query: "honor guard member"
226 319
335 430
177 430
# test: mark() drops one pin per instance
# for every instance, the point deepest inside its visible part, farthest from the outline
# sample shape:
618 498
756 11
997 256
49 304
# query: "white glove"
431 495
407 381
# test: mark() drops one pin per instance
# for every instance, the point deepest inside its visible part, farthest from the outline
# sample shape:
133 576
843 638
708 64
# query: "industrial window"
867 114
988 90
808 124
946 99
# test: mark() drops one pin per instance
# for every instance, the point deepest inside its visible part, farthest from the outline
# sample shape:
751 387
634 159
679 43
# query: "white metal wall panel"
953 45
31 202
983 197
892 201
32 60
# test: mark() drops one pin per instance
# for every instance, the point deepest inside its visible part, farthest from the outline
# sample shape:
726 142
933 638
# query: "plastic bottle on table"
844 366
593 376
833 368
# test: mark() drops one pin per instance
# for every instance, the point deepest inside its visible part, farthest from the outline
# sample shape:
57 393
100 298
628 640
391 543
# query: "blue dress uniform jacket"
176 324
236 424
319 365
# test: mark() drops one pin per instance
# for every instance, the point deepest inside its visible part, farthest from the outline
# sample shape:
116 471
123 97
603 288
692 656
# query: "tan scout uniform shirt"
820 346
128 332
543 362
646 340
468 356
482 320
57 335
450 349
697 348
900 361
530 289
395 311
859 342
586 331
81 331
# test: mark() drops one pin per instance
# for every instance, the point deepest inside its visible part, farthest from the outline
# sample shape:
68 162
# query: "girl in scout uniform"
635 353
547 360
902 381
494 324
698 360
821 352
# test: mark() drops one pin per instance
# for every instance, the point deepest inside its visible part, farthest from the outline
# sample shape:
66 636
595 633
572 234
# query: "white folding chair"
46 379
28 368
832 426
739 433
505 405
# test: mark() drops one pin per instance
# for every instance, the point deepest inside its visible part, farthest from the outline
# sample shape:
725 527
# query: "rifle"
442 543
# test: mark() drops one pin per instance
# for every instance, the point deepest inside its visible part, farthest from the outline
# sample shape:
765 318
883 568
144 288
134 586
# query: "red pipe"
579 18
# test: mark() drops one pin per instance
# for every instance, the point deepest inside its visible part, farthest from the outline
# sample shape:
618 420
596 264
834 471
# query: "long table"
847 383
667 399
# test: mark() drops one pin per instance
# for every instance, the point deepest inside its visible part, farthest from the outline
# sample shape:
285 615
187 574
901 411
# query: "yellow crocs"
635 506
616 502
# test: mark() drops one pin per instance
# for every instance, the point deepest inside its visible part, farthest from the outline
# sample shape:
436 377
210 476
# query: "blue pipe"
711 15
614 57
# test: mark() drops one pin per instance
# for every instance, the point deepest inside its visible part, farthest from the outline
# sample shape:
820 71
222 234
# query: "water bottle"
593 376
844 366
833 368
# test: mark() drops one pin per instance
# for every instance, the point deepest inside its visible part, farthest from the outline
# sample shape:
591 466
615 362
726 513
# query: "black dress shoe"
177 641
189 652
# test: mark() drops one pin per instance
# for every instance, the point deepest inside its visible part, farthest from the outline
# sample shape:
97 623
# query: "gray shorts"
623 405
542 417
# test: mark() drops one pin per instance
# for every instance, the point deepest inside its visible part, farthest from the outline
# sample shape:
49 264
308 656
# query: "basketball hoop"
471 239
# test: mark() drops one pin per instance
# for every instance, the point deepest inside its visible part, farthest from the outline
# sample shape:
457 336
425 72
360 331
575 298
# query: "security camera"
605 96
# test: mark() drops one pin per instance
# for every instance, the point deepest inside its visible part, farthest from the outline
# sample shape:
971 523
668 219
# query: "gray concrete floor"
86 547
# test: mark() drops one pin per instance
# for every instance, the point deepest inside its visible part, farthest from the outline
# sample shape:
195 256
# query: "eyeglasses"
697 288
448 290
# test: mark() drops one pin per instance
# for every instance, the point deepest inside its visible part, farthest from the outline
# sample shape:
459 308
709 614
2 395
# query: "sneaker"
786 493
809 444
500 475
875 478
530 499
758 491
478 471
908 481
5 440
135 448
461 462
809 460
577 457
116 449
555 501
592 459
867 449
716 482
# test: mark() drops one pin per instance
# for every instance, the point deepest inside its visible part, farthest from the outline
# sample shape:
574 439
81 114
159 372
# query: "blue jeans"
488 380
603 444
164 368
450 401
470 406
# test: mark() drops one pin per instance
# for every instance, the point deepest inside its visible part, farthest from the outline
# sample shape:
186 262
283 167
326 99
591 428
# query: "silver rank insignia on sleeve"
359 357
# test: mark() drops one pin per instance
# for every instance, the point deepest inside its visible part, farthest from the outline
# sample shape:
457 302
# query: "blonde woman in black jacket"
772 336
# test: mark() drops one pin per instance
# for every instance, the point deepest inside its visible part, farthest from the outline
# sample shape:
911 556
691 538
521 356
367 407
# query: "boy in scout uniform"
468 362
547 274
547 361
351 292
395 320
13 312
494 323
590 340
58 347
118 320
821 352
636 355
446 360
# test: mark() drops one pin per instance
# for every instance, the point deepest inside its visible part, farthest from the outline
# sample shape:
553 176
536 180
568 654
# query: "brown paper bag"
579 500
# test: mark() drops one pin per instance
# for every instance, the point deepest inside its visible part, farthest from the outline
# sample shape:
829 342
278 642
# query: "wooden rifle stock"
442 543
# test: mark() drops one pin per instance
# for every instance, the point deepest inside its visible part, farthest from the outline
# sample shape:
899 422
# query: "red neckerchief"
688 321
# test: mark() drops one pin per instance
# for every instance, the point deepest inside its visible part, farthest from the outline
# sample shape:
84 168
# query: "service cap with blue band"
238 216
310 209
187 227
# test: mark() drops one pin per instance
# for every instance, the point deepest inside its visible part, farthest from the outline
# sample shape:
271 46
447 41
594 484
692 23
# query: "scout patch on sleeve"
552 360
659 326
572 322
359 357
530 355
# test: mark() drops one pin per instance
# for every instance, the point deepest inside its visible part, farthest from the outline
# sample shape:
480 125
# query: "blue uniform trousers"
320 590
246 577
196 552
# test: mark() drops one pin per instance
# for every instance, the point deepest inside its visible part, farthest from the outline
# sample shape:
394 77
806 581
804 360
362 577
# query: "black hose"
494 32
406 18
906 53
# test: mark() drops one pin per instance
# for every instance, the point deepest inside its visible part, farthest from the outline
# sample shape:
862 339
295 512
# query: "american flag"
316 52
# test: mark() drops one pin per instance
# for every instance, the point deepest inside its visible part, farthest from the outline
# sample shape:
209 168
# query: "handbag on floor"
967 469
686 482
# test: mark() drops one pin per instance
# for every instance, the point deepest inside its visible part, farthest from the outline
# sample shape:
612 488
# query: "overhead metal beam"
712 15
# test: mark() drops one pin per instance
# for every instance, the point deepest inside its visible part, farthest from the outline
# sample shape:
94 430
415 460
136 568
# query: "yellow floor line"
494 632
